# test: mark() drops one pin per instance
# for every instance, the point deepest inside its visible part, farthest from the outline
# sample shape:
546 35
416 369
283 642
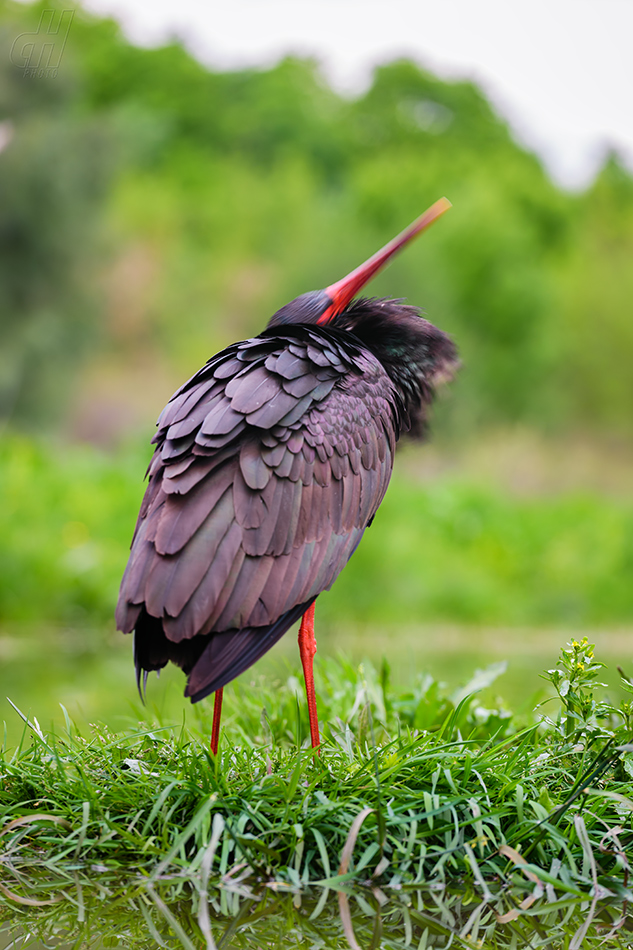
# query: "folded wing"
269 465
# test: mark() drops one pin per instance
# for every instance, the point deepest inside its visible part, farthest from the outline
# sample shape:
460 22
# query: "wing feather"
211 592
249 584
269 465
252 390
182 515
222 419
288 365
173 578
193 419
180 479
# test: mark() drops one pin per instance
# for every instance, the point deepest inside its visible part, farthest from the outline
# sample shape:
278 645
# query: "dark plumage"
269 464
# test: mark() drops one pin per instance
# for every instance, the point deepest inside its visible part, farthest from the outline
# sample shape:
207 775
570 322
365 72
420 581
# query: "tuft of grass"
427 816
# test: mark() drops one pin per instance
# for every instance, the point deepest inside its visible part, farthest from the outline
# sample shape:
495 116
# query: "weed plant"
426 819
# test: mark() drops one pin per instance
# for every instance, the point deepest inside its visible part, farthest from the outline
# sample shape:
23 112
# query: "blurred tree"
236 191
52 177
593 338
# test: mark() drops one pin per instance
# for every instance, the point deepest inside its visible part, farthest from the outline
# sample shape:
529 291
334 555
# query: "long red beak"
343 291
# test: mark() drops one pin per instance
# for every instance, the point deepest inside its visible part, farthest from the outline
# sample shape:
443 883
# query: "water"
189 914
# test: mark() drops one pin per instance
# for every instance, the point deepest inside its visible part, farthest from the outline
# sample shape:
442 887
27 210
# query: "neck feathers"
415 354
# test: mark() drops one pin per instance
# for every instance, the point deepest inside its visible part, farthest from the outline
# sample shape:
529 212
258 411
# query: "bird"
269 465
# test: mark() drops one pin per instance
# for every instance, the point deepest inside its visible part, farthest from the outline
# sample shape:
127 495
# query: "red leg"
217 713
307 649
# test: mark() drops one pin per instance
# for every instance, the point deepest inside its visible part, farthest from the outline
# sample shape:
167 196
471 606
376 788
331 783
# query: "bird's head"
416 355
324 306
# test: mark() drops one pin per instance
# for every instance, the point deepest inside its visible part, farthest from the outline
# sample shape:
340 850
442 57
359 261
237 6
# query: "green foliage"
66 524
575 684
479 555
483 827
54 167
595 329
454 551
240 190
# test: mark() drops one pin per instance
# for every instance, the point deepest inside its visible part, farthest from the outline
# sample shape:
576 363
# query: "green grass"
454 551
425 816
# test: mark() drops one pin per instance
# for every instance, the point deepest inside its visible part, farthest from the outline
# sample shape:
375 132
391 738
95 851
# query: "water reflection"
189 911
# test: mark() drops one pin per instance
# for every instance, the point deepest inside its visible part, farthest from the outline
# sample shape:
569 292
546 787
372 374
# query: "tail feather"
211 660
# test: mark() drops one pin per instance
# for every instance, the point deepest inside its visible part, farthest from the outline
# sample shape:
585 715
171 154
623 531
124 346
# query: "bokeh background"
154 209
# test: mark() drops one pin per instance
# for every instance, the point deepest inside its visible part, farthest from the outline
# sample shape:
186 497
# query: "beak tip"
344 290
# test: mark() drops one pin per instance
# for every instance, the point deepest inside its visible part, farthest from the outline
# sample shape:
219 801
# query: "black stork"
269 464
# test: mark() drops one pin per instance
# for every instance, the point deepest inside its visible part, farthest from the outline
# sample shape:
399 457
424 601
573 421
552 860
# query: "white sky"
561 71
